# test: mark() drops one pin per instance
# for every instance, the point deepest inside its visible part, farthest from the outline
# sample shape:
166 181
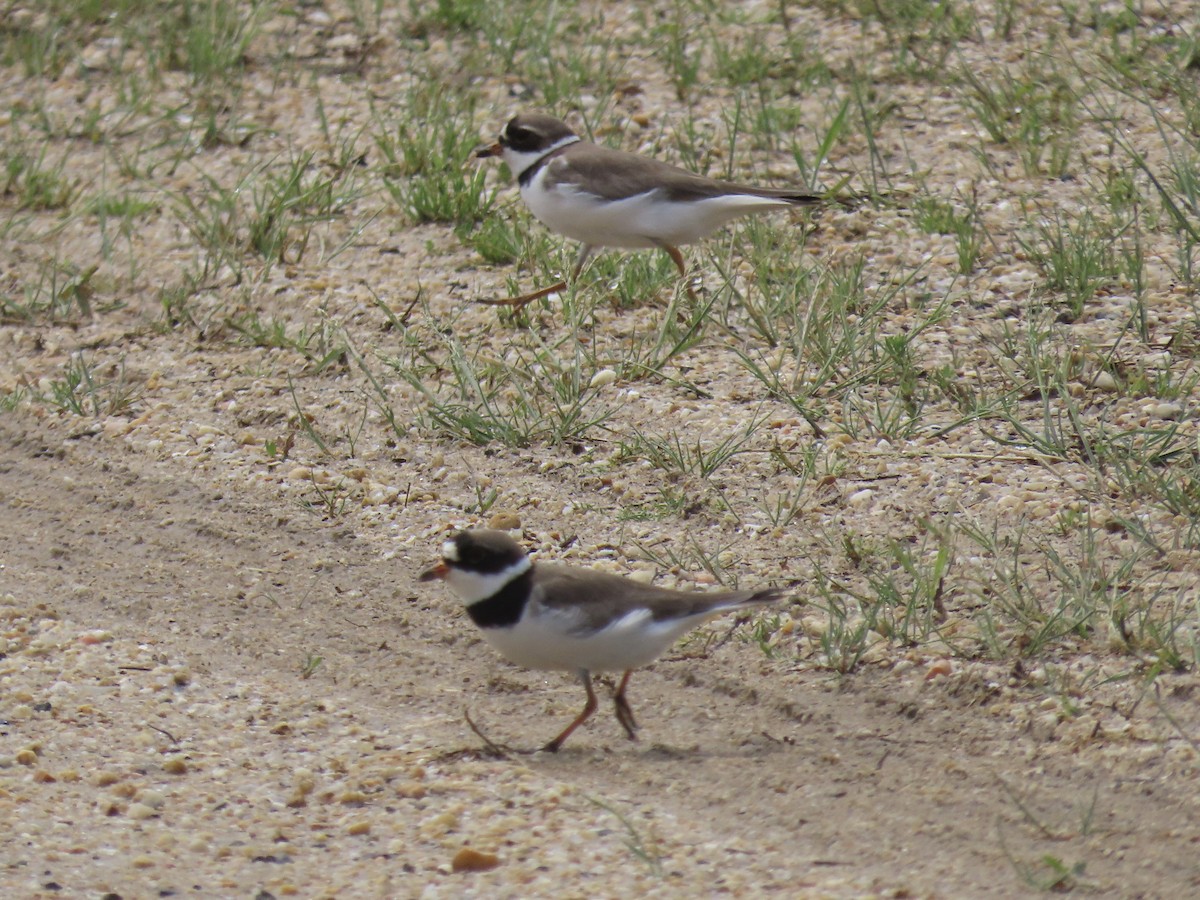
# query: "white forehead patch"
450 551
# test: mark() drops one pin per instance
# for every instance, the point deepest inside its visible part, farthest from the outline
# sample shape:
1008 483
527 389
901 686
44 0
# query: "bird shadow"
750 747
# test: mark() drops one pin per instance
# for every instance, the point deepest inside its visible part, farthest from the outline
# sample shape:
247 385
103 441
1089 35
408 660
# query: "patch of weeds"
1049 873
649 354
719 561
330 499
937 216
322 345
309 667
811 156
19 396
270 211
633 279
532 395
1177 188
85 389
782 508
669 504
1031 108
62 293
894 408
764 633
849 631
1074 255
834 341
643 847
1037 595
36 183
291 200
677 42
499 239
592 66
1160 631
429 169
904 602
207 39
921 35
683 456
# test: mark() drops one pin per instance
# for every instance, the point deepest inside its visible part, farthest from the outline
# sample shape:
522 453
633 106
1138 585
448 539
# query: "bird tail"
765 596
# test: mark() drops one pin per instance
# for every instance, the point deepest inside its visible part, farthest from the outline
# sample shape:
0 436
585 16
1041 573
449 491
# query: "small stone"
152 798
642 576
175 766
1166 411
504 520
941 668
141 811
469 860
860 498
603 378
26 757
359 827
1104 381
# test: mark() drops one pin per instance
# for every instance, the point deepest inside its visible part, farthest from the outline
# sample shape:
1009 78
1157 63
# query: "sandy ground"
220 678
156 626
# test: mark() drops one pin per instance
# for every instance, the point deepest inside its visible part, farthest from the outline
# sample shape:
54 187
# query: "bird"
603 197
556 617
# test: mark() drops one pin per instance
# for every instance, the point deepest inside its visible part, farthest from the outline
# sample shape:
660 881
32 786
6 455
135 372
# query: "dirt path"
246 389
749 775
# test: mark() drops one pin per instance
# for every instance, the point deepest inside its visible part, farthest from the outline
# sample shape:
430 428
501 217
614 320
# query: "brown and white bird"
546 616
609 198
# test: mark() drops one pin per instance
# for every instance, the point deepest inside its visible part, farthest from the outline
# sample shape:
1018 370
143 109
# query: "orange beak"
491 150
436 573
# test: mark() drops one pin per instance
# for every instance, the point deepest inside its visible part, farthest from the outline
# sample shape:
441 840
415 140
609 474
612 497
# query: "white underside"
644 220
545 639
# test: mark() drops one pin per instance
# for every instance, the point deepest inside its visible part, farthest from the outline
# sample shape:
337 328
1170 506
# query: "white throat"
471 587
519 161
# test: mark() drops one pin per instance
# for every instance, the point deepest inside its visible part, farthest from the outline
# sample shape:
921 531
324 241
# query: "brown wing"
615 174
596 598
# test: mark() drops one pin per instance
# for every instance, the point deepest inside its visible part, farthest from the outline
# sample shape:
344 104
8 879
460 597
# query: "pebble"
504 520
603 378
1166 411
860 498
470 860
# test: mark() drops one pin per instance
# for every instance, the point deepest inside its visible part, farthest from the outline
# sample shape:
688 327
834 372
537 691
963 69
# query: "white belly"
645 220
544 640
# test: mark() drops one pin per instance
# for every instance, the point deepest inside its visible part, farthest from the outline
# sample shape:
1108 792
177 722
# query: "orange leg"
677 257
517 302
588 709
624 713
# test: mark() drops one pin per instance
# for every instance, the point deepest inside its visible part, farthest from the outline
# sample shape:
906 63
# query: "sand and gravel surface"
219 676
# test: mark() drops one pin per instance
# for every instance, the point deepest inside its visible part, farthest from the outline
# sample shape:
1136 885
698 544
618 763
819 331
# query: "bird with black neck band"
556 617
603 197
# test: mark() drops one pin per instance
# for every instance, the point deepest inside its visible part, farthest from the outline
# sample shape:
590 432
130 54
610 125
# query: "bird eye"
518 133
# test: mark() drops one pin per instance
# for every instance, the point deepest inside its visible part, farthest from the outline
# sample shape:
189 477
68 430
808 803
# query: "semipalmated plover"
545 616
609 198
